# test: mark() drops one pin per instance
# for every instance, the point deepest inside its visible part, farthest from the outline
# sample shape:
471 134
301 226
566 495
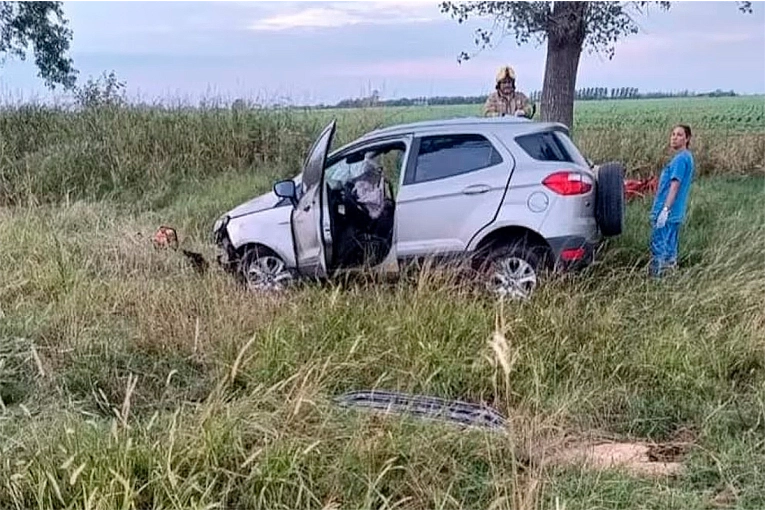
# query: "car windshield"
342 171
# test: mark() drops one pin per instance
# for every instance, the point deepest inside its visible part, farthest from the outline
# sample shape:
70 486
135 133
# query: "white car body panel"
269 227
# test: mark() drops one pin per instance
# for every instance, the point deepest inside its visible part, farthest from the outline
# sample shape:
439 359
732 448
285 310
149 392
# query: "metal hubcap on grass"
512 277
267 273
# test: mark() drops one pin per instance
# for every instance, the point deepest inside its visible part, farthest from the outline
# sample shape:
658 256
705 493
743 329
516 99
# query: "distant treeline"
585 94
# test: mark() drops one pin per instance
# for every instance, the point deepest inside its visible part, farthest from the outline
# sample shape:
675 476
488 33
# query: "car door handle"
476 189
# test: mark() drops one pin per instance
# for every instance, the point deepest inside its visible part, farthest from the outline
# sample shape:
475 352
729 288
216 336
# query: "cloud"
309 18
341 14
431 68
647 48
732 37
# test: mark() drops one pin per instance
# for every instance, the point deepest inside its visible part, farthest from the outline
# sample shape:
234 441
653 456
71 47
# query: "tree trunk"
559 87
565 38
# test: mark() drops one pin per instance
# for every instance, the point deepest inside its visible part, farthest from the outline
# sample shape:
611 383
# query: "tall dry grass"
130 381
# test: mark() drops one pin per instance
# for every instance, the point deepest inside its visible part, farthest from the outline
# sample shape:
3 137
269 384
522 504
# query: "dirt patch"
635 457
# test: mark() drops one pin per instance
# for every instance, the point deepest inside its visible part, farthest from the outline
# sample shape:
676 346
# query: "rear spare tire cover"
609 201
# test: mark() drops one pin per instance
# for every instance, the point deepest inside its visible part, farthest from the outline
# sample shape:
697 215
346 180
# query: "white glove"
661 220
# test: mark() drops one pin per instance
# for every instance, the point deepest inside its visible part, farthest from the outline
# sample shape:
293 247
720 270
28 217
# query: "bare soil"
640 458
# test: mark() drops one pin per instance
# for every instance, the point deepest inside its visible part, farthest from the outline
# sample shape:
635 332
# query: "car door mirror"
286 189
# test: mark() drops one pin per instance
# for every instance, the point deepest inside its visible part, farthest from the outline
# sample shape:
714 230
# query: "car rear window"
544 147
446 156
571 148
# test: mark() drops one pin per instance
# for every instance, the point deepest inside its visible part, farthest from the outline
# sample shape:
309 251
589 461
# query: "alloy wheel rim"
267 273
512 277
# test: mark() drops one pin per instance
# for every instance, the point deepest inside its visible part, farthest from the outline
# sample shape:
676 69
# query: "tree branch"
42 26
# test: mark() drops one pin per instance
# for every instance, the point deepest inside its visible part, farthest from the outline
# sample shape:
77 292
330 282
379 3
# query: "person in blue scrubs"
671 202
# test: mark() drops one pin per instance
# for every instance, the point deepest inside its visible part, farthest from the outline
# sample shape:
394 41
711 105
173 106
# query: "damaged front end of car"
226 253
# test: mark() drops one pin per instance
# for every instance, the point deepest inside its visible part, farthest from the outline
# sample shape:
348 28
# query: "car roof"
522 124
450 126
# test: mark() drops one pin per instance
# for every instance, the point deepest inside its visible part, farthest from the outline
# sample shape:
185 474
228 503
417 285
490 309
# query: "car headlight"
220 224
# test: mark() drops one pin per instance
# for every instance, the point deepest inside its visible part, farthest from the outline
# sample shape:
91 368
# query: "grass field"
143 156
130 382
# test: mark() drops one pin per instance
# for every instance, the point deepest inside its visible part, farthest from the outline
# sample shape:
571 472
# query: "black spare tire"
609 199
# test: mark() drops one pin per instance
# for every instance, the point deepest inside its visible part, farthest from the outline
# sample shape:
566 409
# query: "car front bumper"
226 255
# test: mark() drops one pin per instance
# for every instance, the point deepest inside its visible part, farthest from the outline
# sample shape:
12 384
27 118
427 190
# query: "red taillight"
571 254
568 183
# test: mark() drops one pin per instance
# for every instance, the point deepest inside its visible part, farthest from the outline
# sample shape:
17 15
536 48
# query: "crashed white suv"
511 196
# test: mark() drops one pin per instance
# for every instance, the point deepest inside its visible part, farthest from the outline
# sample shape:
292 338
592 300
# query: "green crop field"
727 114
128 381
729 132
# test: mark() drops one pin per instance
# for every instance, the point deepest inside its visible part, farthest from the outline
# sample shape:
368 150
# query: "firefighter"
506 100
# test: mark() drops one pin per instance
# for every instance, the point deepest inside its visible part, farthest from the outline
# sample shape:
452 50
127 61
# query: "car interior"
361 201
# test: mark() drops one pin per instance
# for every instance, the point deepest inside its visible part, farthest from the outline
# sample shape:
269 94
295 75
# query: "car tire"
609 199
262 270
514 270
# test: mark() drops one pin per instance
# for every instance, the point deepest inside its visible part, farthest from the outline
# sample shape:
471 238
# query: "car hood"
260 203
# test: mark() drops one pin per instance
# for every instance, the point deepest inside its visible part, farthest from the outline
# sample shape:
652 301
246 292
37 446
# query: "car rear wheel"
514 270
609 200
261 270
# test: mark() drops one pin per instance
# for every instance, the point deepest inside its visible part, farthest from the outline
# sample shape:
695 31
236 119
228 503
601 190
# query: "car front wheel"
513 271
261 270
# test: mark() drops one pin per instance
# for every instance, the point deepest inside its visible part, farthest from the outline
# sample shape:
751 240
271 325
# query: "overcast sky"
312 52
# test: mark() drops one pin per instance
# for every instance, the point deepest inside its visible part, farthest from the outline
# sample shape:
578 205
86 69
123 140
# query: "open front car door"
308 216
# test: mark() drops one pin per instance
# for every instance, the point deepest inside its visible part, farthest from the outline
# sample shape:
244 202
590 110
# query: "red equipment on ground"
639 188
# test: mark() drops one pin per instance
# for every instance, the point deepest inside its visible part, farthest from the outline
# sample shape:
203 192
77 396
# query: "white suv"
512 196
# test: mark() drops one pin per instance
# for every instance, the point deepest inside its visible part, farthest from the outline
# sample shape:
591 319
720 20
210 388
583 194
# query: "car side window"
544 147
443 156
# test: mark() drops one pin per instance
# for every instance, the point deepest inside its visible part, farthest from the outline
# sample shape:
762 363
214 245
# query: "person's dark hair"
687 130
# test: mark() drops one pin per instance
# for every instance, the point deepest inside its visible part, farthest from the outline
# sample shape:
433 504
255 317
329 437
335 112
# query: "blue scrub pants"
664 246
